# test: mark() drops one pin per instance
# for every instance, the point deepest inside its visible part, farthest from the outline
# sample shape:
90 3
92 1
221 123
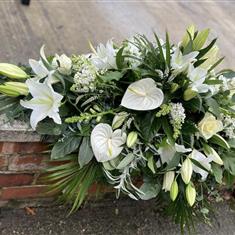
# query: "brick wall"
20 167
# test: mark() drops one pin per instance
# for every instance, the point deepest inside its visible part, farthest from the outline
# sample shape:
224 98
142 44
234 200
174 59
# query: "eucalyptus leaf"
150 190
214 106
126 161
151 164
111 76
85 153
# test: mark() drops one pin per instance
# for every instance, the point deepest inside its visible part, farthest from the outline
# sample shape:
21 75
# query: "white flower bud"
168 180
186 170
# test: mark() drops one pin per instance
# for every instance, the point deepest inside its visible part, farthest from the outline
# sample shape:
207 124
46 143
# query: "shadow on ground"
110 217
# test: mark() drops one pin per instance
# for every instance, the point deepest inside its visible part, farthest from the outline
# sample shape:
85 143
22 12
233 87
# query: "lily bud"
119 119
189 94
186 170
168 180
174 87
190 194
131 139
12 71
14 89
174 190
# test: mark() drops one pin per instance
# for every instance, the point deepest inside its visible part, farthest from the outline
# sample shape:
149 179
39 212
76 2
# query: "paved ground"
67 25
124 217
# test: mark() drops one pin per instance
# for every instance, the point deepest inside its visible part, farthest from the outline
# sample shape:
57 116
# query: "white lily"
106 143
40 70
203 160
181 148
197 77
45 102
180 62
62 63
143 95
105 56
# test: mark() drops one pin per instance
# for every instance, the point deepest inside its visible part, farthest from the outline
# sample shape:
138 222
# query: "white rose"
209 126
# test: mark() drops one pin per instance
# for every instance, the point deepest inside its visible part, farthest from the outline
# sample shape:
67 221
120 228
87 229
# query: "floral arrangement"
152 118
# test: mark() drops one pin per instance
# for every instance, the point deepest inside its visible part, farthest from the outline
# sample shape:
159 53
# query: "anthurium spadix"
45 102
143 95
106 143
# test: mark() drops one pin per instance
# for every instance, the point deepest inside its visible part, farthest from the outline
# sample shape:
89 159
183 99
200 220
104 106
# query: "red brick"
3 162
24 147
27 162
7 179
23 192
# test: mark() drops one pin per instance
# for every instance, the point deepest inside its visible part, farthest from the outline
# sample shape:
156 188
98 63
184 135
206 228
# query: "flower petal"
39 69
142 95
105 143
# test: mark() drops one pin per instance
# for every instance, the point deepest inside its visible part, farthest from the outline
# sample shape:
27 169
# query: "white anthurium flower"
197 77
180 62
143 95
182 149
106 143
62 63
203 160
45 102
105 56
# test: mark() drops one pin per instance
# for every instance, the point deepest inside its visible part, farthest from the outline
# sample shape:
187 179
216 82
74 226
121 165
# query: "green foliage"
200 39
70 181
148 125
85 153
65 146
111 76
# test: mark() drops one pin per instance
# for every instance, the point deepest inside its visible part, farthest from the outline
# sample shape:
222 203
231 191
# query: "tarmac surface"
122 217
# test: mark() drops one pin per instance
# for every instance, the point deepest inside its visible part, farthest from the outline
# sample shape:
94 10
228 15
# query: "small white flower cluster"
229 124
178 116
177 112
84 79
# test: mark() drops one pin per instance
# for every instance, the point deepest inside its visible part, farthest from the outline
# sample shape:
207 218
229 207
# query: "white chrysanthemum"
143 95
84 79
